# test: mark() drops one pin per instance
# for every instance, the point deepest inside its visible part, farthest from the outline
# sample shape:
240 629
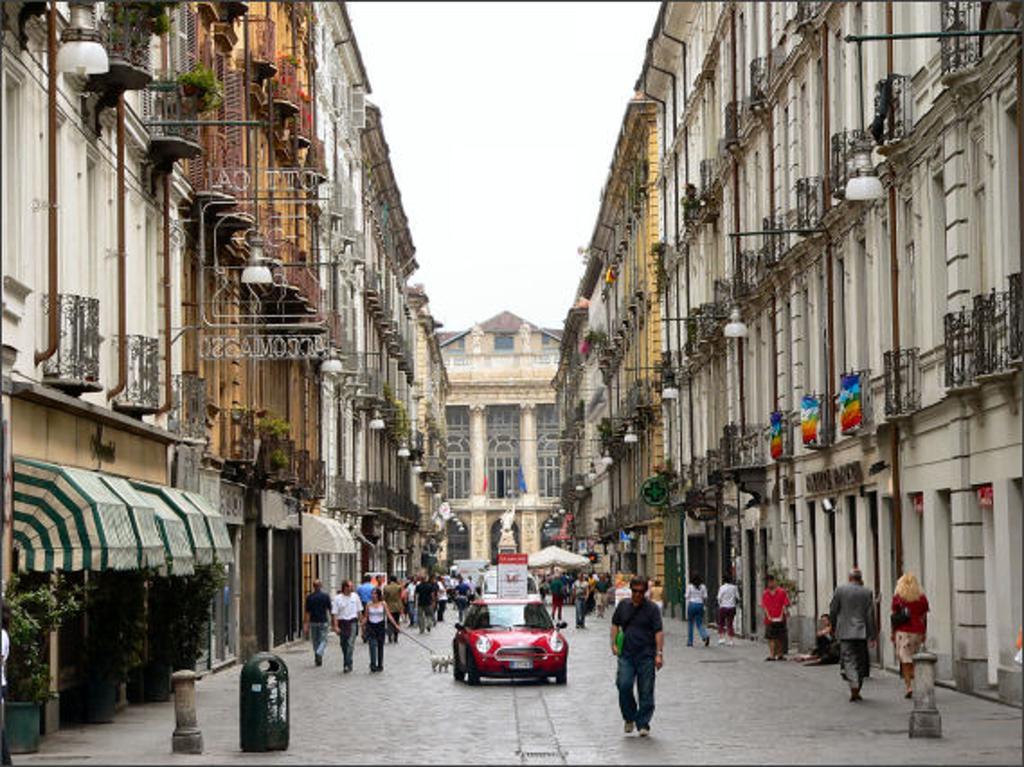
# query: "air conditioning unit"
358 109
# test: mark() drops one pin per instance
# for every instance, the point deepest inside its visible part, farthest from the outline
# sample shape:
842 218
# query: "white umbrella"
554 556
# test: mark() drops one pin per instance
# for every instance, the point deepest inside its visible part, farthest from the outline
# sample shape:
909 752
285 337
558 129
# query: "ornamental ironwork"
775 244
894 102
902 375
187 418
960 53
142 385
732 128
75 366
262 346
742 447
758 82
991 325
959 348
810 202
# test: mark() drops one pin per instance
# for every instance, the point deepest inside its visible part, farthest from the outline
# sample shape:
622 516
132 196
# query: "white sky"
501 119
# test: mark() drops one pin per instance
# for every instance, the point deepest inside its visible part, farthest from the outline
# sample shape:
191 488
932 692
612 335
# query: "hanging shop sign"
268 346
775 435
810 420
835 478
851 414
655 491
701 506
241 181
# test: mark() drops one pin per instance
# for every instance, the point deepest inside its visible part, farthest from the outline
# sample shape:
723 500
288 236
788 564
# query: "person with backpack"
557 587
637 641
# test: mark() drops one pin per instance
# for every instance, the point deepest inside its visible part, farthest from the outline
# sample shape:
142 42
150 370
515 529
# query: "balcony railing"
285 87
708 175
743 447
340 493
775 245
277 459
810 202
187 418
308 284
262 45
125 32
806 10
894 98
75 367
996 327
758 82
839 171
960 53
372 288
706 470
902 383
239 435
959 345
750 272
304 121
731 129
383 496
141 393
371 390
165 102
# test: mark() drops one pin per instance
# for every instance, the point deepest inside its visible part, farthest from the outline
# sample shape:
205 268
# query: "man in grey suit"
853 615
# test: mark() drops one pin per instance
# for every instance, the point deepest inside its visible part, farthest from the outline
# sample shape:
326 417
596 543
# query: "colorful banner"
775 435
850 414
810 419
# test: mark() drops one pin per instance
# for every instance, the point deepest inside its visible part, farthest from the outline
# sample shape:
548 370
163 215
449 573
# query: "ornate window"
459 461
504 343
548 458
502 450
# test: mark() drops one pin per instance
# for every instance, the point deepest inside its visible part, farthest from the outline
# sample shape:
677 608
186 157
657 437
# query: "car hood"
516 636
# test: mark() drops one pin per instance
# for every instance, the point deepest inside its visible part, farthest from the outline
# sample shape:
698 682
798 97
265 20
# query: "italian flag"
485 483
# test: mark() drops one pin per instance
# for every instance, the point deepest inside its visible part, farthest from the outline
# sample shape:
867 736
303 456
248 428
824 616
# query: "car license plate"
520 664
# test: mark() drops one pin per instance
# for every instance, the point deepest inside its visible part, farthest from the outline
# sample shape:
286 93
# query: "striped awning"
194 519
174 533
68 519
215 525
150 544
323 535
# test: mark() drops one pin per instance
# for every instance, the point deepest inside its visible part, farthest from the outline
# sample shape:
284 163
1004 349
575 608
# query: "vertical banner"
775 435
851 416
512 571
810 419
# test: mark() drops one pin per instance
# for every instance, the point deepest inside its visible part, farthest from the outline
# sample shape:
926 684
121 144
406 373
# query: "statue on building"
524 338
476 336
507 541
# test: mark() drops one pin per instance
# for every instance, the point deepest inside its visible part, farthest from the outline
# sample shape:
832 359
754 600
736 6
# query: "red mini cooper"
509 638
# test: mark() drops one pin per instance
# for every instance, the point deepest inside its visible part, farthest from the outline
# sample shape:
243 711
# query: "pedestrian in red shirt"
775 602
909 625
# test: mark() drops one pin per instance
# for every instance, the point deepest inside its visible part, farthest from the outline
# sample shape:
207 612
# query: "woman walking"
728 595
909 625
696 596
372 621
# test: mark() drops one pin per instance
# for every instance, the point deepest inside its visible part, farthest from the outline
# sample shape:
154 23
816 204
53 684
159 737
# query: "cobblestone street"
716 704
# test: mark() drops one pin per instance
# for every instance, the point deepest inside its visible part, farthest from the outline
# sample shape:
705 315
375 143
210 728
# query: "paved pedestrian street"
715 704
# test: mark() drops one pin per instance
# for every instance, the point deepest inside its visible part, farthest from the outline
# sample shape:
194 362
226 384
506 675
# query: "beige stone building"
502 435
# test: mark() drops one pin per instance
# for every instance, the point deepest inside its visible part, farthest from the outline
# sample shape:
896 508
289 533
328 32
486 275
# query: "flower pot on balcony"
21 724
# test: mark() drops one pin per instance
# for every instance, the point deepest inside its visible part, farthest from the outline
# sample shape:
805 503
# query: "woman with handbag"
909 621
373 620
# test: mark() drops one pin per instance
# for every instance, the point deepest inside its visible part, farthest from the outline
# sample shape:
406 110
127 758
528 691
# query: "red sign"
513 559
512 575
985 497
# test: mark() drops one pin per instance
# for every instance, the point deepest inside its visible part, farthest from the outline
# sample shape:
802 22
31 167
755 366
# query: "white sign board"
512 574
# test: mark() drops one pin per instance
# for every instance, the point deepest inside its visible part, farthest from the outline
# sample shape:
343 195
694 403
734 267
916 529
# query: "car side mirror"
459 627
561 625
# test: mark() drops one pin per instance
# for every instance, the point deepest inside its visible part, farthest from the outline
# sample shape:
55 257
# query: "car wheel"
472 675
560 677
457 672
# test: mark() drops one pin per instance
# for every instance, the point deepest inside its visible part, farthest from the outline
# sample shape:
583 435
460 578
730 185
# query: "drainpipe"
773 316
736 219
894 295
52 324
829 288
168 377
122 325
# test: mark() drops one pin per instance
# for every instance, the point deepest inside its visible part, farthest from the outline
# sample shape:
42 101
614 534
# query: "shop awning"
67 519
150 544
323 535
174 534
194 519
216 526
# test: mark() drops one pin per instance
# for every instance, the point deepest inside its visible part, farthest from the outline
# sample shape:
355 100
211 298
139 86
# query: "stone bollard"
925 721
187 737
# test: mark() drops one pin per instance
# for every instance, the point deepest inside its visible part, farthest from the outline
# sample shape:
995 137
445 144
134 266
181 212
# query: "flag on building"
485 483
522 481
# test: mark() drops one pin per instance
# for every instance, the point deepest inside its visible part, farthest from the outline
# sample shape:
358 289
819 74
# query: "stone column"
529 539
477 452
187 737
528 450
479 541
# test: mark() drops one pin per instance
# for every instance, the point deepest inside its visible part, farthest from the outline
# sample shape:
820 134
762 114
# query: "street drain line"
525 710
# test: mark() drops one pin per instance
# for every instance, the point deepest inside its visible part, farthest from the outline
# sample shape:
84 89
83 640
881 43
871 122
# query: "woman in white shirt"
728 595
696 596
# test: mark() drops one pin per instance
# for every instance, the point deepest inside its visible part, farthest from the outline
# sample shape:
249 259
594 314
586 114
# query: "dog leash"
415 641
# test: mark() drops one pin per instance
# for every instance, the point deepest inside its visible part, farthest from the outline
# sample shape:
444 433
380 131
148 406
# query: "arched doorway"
458 540
496 536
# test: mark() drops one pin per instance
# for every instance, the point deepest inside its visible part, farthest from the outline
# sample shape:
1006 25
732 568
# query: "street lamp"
864 183
416 468
81 52
669 391
256 272
735 328
607 460
376 423
429 485
331 366
630 436
403 451
592 474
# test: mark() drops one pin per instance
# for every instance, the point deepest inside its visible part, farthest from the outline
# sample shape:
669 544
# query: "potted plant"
278 459
37 607
202 84
115 638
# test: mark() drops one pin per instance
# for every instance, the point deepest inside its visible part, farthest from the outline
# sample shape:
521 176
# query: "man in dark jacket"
852 614
640 655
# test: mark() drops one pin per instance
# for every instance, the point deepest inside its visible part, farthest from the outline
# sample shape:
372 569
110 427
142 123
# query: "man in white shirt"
345 609
728 595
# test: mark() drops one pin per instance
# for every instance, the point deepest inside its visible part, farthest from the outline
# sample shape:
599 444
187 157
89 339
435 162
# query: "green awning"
216 526
151 548
195 521
68 519
174 534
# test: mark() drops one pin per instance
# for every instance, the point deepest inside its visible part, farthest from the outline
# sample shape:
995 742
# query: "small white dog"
440 663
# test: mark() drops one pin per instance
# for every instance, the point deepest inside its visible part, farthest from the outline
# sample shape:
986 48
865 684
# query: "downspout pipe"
122 324
829 287
53 256
168 370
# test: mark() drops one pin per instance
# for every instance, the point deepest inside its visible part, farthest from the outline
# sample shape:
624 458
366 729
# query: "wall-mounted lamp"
826 504
630 436
81 52
416 468
864 183
735 328
376 423
403 451
256 272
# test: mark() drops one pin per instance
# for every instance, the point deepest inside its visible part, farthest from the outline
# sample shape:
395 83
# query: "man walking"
410 599
345 611
318 606
581 592
426 603
557 587
852 613
637 640
775 603
462 597
393 599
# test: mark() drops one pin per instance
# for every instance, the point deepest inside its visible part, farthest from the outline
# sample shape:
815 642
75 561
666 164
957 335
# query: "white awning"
323 535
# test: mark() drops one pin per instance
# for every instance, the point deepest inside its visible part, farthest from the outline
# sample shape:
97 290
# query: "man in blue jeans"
639 650
318 609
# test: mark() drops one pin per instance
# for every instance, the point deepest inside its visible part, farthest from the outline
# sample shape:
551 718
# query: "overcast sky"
501 119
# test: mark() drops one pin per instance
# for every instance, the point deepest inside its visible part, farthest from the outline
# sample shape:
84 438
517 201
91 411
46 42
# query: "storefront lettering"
102 451
835 478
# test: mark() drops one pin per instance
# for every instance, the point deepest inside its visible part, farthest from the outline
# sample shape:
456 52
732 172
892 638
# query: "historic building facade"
848 354
502 435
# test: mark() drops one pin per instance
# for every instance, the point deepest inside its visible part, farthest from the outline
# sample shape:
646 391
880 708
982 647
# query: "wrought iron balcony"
840 159
960 53
895 100
308 285
810 202
285 88
731 128
708 175
995 324
75 368
959 345
775 245
759 82
743 447
165 102
316 159
749 274
806 10
238 433
262 46
343 494
372 288
141 395
187 418
277 459
706 470
902 383
371 390
383 497
125 32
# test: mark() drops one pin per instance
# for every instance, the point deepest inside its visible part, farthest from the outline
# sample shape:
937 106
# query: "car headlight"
556 642
483 644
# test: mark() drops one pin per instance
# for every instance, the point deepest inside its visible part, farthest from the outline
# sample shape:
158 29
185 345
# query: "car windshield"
492 616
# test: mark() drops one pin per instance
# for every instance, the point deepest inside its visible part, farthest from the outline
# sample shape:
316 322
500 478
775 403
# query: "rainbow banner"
775 435
851 416
810 419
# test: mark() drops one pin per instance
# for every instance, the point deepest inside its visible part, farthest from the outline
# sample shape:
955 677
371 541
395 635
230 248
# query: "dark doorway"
751 583
832 545
262 588
458 540
813 518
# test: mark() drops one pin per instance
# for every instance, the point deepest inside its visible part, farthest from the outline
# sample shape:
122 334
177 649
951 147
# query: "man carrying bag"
637 640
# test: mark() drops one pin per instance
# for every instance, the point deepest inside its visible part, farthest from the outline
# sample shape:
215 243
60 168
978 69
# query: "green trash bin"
263 704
